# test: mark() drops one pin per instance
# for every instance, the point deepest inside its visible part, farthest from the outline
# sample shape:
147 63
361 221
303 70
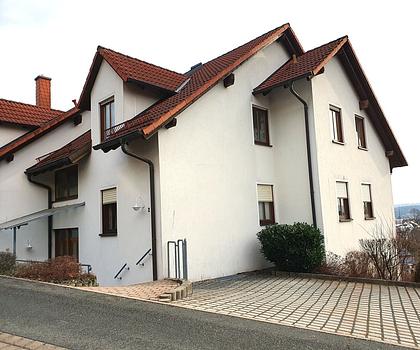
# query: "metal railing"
141 262
124 267
178 258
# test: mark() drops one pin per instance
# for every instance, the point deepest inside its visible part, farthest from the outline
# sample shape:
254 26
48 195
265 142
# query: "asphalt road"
82 320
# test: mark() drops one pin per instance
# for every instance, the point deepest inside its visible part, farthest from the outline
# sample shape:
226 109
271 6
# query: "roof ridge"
137 59
328 43
31 105
246 43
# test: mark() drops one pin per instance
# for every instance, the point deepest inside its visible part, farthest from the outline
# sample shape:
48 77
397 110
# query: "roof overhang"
24 220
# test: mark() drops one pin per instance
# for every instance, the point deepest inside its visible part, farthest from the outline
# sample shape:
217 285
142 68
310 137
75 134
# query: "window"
360 130
260 118
109 212
107 116
343 201
265 204
67 242
367 201
337 125
66 183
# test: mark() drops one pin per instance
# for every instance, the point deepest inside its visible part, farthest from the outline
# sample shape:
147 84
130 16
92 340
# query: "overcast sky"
59 39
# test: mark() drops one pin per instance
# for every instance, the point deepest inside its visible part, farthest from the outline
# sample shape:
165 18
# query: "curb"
345 278
183 291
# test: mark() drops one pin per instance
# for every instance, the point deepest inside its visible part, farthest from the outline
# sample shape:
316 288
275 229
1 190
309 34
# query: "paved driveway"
389 314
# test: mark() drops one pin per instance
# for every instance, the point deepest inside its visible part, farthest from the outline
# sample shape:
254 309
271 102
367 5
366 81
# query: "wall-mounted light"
28 245
139 205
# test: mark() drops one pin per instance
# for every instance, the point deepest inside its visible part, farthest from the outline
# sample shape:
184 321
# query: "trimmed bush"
7 263
294 248
61 270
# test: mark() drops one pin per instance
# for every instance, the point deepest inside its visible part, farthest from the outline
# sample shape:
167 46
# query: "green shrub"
7 263
294 248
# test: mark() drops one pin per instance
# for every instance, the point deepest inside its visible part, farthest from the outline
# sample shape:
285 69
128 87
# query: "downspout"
50 218
308 152
152 203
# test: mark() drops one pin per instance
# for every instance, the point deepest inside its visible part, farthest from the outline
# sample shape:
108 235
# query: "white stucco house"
266 133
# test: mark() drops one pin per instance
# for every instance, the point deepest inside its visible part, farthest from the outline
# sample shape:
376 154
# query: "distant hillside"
403 211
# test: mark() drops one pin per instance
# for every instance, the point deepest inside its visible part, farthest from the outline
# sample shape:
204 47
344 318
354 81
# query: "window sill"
372 218
362 148
338 142
108 234
345 220
65 199
262 144
263 224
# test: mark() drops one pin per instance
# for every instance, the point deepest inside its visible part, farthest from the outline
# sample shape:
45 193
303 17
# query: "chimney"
43 91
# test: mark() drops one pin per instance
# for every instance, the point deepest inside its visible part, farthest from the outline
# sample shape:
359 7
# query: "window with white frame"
343 201
109 212
265 204
367 201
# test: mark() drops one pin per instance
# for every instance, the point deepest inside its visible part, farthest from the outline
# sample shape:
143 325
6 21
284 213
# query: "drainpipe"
308 152
50 219
152 203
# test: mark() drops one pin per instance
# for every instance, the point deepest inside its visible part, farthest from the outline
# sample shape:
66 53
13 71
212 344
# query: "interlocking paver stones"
363 310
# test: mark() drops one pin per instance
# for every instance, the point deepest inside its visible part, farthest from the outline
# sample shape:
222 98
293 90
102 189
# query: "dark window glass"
109 212
260 119
67 242
337 125
367 201
343 201
360 130
266 210
107 118
66 183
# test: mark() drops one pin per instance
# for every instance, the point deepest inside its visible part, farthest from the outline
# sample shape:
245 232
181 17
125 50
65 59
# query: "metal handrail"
121 270
144 256
88 266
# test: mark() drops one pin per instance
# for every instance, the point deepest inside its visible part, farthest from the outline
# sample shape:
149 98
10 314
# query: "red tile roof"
308 64
68 154
130 69
25 114
200 81
27 138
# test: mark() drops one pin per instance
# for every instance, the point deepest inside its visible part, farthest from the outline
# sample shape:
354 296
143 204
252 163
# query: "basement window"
343 201
109 212
66 183
337 125
260 119
265 204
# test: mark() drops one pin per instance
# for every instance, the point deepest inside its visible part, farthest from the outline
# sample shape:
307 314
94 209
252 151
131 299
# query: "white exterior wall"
19 197
348 163
210 167
9 133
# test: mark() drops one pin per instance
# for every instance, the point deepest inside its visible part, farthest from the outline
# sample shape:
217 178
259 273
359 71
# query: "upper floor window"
367 201
360 130
66 183
260 118
265 204
107 110
109 212
343 201
337 124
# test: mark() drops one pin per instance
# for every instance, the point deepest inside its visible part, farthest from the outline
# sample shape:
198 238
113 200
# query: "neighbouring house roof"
312 62
130 70
66 155
200 80
308 64
24 114
9 149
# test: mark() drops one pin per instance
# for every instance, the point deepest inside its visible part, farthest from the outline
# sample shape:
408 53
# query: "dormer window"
107 110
